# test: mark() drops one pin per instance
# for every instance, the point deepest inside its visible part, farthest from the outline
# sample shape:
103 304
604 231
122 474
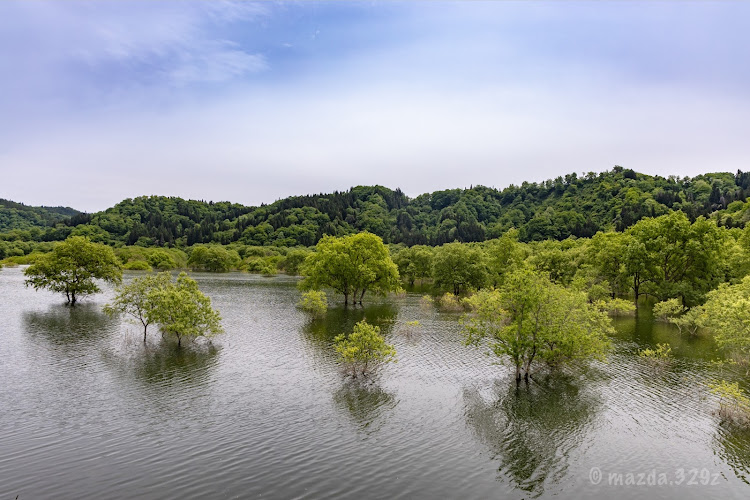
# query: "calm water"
87 412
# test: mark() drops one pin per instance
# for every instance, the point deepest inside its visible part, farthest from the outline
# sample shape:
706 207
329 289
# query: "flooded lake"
86 411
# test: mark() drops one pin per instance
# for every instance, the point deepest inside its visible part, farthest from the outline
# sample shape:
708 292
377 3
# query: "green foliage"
615 307
363 350
292 261
351 265
262 265
727 313
314 302
140 298
183 311
668 309
19 216
450 302
660 356
414 263
72 268
670 257
554 209
734 405
530 318
215 259
458 267
137 265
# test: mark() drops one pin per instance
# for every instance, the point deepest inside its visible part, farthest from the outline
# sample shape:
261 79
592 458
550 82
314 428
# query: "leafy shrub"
315 302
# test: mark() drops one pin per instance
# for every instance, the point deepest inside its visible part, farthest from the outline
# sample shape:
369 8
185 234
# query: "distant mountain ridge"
15 215
569 205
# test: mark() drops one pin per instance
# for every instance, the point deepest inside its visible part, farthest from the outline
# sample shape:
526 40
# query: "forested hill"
19 216
553 209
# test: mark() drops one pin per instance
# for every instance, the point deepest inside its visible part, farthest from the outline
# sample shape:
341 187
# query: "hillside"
19 216
553 209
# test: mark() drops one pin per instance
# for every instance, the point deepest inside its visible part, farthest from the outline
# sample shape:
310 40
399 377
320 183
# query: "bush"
661 356
364 350
450 302
137 265
734 406
314 302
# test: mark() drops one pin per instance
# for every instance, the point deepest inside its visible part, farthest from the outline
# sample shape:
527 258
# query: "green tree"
727 315
215 259
140 298
458 266
675 258
364 349
182 310
351 265
73 267
314 302
414 263
504 255
530 318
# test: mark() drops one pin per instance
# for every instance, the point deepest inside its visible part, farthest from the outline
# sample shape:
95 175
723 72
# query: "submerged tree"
351 265
364 350
314 302
458 267
73 267
182 310
727 314
139 298
530 318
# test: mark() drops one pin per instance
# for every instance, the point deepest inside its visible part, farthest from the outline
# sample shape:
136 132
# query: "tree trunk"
73 298
362 296
145 327
346 298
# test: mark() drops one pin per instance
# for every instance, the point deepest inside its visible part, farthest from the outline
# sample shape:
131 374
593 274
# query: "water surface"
86 411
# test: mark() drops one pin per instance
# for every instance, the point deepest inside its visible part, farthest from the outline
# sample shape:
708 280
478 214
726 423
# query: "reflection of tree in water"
532 429
366 403
733 446
342 320
64 325
169 363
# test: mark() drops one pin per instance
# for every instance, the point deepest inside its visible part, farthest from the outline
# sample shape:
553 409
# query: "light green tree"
214 258
139 298
73 267
727 314
414 263
363 350
504 255
458 266
182 310
314 302
675 258
351 265
530 318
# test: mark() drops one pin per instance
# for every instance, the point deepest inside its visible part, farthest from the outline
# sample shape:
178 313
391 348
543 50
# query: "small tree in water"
314 302
72 268
530 318
139 298
364 350
181 310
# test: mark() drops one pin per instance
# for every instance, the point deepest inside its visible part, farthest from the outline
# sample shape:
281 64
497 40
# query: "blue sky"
251 102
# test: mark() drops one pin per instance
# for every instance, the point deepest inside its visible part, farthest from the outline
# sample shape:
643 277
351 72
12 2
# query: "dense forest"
19 216
555 209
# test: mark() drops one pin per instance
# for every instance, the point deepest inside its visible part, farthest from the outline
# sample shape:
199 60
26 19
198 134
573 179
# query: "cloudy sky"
251 102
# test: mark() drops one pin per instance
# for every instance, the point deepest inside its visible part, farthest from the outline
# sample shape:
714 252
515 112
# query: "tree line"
570 205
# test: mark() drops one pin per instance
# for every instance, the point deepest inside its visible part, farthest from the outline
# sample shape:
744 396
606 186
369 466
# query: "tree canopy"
73 267
351 265
570 205
531 319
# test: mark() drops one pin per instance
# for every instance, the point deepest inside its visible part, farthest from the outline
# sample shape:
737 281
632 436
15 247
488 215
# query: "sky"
252 102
